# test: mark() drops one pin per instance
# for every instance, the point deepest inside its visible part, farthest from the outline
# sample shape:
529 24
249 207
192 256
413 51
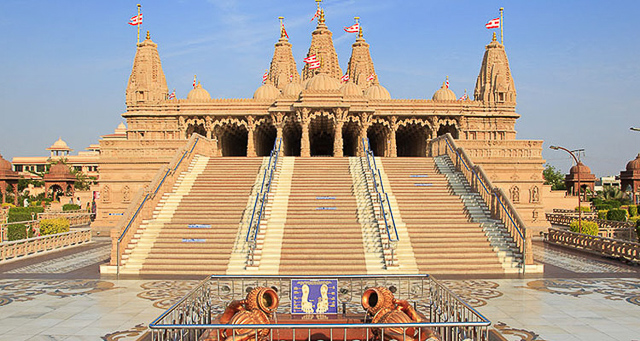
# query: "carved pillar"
182 127
365 122
393 145
251 128
208 126
278 121
305 147
339 116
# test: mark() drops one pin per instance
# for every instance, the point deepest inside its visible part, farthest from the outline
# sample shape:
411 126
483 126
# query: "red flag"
463 98
194 82
290 78
493 23
311 59
136 20
345 78
316 15
447 83
372 77
314 65
265 76
353 28
172 95
284 32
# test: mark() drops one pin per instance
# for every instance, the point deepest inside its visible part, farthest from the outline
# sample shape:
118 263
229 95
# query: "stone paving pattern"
60 296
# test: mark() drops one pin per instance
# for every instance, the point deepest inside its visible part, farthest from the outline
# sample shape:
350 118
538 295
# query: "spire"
495 83
147 82
322 46
360 64
283 66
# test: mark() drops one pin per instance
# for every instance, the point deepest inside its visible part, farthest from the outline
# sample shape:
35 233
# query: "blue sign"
314 296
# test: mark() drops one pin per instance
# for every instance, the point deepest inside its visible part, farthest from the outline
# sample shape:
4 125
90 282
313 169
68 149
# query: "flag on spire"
290 78
372 77
316 15
447 82
172 94
283 31
136 20
265 76
311 59
345 78
194 81
314 65
464 97
355 28
493 23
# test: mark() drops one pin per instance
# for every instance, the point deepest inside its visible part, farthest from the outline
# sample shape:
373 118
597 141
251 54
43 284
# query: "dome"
198 94
351 89
121 126
377 91
292 89
322 81
5 165
444 94
59 145
266 91
580 167
634 165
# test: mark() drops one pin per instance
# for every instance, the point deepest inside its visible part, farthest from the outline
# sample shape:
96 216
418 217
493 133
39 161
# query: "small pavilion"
630 179
582 172
59 176
8 178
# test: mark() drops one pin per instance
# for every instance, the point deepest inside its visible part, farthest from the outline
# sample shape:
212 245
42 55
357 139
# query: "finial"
494 37
148 35
139 6
360 32
318 2
321 16
356 19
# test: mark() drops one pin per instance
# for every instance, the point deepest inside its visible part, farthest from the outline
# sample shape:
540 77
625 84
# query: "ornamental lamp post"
579 197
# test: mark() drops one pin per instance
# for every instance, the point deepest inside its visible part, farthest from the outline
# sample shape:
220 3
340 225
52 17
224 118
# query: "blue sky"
64 64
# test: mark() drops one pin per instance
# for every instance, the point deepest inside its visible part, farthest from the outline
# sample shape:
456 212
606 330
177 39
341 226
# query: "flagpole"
501 26
139 24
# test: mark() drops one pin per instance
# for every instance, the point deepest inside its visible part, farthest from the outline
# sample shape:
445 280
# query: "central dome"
377 91
198 94
444 94
292 89
266 91
322 81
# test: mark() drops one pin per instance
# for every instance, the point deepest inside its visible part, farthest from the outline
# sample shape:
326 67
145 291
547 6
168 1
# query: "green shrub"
602 214
603 207
18 231
633 210
588 227
54 226
617 214
70 207
23 213
613 203
583 208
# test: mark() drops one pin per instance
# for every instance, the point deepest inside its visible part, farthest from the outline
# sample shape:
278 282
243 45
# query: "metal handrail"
491 191
375 172
262 195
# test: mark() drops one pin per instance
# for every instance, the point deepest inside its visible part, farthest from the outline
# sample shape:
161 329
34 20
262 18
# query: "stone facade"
317 114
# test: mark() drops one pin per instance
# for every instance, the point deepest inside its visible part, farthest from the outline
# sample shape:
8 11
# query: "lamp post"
579 197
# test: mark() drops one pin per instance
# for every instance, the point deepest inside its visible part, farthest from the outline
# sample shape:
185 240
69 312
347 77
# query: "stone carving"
126 194
256 308
515 194
106 194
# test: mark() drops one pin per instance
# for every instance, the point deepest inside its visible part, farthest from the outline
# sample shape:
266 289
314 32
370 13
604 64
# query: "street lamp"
635 129
579 197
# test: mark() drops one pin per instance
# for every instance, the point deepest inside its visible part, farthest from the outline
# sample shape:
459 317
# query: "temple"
317 114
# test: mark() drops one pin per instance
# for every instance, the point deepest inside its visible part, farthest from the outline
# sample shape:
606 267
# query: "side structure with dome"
316 114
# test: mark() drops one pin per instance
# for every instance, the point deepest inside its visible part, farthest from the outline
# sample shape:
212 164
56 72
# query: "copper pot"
256 308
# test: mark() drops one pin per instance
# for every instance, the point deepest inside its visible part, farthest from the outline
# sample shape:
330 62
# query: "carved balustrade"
609 247
24 247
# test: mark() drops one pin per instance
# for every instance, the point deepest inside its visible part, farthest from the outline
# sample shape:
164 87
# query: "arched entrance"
378 136
196 128
232 139
448 128
411 139
350 133
321 135
291 136
265 136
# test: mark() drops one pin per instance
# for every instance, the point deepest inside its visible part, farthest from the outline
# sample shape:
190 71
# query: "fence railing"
495 198
609 247
386 213
146 199
260 203
195 315
28 225
24 247
625 230
76 218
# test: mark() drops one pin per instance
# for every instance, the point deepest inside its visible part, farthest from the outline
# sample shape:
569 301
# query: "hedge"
588 227
603 207
70 207
617 214
18 231
613 203
23 213
633 210
602 214
583 208
53 226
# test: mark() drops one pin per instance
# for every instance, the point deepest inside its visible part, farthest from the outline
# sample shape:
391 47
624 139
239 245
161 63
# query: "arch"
55 191
448 126
232 138
411 138
265 135
321 135
379 138
291 137
350 134
196 128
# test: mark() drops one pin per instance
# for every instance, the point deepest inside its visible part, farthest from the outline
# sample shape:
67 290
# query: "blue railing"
261 198
383 198
502 208
170 169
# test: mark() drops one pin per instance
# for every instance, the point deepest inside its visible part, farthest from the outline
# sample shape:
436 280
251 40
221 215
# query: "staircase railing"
495 198
259 204
147 198
383 198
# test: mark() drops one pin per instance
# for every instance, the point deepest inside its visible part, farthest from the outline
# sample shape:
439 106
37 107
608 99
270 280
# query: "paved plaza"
61 296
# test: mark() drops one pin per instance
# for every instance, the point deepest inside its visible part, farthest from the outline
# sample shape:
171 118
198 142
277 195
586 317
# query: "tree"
553 177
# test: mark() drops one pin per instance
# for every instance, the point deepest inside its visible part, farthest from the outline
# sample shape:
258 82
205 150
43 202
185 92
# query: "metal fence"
194 317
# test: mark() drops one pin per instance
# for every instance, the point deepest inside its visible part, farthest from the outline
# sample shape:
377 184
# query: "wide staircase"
443 235
322 235
194 227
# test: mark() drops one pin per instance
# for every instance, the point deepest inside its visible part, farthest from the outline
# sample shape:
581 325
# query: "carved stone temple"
316 114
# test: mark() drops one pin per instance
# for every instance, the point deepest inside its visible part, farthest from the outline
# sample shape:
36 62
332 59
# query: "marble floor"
62 297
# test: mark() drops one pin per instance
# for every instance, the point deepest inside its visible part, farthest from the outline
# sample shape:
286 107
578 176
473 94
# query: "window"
39 168
78 168
17 168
